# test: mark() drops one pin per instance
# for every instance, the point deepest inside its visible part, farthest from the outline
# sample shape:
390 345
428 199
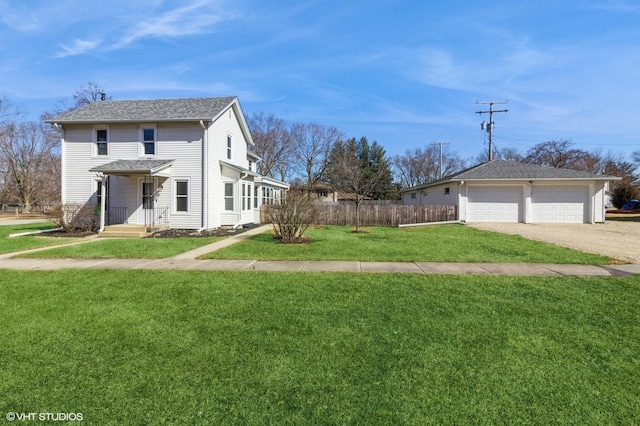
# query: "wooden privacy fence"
380 215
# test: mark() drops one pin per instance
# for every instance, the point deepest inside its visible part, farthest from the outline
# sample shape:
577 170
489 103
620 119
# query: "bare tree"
26 153
559 154
9 115
273 144
423 165
88 94
311 144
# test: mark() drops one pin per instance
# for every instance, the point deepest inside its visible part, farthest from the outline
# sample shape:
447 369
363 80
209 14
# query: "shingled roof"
140 166
514 170
147 110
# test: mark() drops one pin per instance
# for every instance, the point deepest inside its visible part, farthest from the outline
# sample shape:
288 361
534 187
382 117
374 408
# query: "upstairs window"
148 141
229 147
102 142
446 191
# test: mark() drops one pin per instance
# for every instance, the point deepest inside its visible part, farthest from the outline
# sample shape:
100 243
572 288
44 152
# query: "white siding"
77 159
226 124
599 202
179 142
433 196
183 143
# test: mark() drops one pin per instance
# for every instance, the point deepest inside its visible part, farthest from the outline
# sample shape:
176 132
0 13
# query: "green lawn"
126 248
147 347
8 245
438 243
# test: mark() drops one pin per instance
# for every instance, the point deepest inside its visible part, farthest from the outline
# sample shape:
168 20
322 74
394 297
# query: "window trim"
95 142
142 142
175 195
229 197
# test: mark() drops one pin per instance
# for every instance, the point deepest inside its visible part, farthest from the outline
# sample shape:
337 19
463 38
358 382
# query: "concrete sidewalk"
522 269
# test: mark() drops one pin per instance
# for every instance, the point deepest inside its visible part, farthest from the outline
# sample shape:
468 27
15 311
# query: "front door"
146 197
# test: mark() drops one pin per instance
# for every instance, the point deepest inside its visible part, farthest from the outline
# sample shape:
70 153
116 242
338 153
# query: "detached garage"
509 191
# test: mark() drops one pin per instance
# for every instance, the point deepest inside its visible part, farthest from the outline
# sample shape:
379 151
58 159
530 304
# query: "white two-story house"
181 163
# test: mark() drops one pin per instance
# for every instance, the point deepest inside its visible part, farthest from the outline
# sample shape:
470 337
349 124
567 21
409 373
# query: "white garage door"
566 204
494 203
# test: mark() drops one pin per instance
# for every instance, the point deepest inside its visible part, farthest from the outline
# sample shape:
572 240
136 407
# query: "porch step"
125 231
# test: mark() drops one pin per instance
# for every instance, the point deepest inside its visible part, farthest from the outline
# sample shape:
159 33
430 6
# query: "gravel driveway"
615 239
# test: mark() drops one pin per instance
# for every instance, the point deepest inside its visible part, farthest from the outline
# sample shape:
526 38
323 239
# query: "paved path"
226 242
189 261
325 266
13 221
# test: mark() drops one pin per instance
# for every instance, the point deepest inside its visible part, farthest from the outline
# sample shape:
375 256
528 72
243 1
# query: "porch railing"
117 215
162 218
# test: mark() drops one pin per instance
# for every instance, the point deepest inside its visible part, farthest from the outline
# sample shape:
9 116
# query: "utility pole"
440 143
490 124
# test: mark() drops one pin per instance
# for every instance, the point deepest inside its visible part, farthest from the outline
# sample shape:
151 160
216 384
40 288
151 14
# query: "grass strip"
9 245
126 248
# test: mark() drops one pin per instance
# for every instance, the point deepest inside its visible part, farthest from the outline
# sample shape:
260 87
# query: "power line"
489 125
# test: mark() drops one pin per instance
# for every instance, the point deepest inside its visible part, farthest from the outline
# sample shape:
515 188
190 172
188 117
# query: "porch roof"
135 167
238 168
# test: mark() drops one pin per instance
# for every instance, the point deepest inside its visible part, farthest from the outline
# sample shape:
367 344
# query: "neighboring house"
326 194
182 163
509 191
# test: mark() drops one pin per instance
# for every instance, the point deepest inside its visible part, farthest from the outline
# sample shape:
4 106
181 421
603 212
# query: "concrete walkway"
189 261
226 242
522 269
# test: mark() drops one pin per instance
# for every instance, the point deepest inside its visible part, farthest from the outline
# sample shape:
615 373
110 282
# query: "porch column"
103 203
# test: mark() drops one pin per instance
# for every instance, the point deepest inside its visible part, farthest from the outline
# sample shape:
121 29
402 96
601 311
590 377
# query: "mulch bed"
169 233
66 234
219 232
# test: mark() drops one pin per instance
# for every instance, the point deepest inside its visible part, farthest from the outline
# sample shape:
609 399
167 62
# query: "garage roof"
514 170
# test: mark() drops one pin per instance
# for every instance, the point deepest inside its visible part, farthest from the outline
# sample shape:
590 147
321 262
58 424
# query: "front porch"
133 200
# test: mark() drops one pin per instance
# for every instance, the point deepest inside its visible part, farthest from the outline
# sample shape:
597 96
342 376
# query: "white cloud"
77 48
197 18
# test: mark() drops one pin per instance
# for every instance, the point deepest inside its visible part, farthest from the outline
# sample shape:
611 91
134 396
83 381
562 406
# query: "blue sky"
404 73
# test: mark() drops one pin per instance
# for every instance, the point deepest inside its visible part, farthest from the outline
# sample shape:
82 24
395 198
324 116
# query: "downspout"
242 176
205 178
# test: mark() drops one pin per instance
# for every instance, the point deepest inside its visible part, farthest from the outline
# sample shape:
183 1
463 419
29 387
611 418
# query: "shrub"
76 217
292 216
